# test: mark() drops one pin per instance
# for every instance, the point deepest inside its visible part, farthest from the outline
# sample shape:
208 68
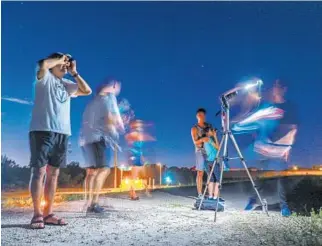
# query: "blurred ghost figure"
136 138
275 135
127 113
100 130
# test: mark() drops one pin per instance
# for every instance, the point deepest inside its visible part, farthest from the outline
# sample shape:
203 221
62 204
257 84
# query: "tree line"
15 176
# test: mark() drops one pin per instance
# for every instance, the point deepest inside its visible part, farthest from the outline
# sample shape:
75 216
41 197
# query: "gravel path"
163 219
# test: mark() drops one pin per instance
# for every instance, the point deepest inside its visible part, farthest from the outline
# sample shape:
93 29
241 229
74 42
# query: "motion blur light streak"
277 149
270 113
245 86
272 151
258 82
288 139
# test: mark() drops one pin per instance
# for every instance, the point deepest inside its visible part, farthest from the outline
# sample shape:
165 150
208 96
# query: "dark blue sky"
171 58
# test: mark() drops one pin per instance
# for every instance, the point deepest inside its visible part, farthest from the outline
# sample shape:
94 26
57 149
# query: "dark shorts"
48 148
215 177
201 161
97 155
135 160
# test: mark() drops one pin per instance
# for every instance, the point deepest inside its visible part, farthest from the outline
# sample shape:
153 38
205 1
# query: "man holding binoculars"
50 129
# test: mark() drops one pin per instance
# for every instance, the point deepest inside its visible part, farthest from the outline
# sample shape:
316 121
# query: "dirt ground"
166 218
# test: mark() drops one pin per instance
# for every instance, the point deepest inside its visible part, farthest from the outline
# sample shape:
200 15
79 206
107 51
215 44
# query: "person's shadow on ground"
24 226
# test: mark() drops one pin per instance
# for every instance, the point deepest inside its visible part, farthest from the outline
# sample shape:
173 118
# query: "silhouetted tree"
12 175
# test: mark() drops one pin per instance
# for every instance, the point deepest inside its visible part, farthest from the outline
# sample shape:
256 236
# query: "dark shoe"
221 199
135 198
285 211
55 220
251 204
95 208
215 199
37 222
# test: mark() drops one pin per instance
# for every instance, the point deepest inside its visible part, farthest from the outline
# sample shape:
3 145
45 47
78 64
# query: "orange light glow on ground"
43 203
136 183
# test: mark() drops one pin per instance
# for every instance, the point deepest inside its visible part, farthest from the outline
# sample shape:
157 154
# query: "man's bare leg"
135 173
147 190
216 190
146 181
49 194
50 188
85 184
90 177
36 189
211 187
199 182
99 181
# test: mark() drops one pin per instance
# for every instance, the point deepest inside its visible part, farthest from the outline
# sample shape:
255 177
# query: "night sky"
172 57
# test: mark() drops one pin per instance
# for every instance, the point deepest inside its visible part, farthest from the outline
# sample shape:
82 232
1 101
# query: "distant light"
295 168
168 180
126 181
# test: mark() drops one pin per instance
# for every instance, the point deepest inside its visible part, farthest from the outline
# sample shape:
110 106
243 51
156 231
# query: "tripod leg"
225 138
263 203
211 171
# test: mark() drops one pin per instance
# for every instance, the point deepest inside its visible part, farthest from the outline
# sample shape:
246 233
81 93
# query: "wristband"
75 75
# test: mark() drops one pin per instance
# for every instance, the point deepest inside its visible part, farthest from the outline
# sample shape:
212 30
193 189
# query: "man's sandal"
37 222
59 221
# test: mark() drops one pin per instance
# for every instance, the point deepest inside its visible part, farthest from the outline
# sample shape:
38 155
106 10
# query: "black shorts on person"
48 148
97 155
215 177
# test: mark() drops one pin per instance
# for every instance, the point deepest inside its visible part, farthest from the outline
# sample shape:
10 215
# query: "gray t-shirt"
51 111
94 125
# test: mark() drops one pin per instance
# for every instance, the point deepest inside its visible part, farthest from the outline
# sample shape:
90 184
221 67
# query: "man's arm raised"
83 87
49 63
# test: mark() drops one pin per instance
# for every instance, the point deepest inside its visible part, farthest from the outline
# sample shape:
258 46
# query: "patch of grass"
25 202
314 213
73 197
19 202
305 196
308 230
